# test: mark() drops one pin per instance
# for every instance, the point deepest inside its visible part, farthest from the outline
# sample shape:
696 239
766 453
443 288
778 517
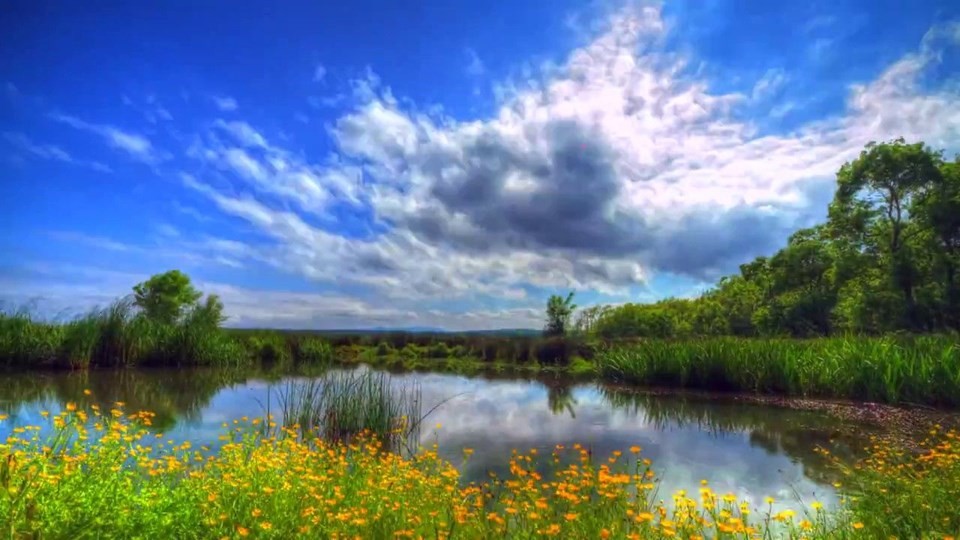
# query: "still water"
751 450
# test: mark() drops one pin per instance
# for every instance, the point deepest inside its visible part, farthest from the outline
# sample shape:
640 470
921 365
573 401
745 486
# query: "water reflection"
750 450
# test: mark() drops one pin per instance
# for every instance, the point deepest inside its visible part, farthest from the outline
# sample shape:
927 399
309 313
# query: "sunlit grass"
905 494
103 474
119 336
919 370
339 406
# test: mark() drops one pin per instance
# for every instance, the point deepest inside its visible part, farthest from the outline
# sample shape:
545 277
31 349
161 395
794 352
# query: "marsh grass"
339 406
910 370
921 370
120 336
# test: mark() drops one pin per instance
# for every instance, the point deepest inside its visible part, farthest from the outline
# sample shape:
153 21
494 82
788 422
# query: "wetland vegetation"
865 307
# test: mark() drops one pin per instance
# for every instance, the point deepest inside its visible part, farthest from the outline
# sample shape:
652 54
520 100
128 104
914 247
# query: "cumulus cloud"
612 166
44 288
595 173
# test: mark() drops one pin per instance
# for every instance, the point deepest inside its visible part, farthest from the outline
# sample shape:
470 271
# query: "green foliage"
117 336
887 259
165 297
269 348
314 351
99 475
559 311
341 406
918 369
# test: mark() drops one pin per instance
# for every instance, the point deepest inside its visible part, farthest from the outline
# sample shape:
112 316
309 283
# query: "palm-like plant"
559 311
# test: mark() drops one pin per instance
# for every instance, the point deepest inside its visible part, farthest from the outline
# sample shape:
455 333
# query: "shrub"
314 351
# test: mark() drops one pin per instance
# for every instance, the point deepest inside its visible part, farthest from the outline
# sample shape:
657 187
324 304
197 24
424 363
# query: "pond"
751 450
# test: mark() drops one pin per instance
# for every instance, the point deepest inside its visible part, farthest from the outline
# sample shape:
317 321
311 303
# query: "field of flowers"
93 473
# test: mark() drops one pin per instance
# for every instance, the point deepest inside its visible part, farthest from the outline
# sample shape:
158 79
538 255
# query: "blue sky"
446 165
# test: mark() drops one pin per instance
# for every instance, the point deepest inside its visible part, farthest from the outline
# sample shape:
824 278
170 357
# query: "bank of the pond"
102 473
921 370
902 426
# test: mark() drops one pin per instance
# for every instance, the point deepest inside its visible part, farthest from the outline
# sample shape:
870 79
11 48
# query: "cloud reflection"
747 449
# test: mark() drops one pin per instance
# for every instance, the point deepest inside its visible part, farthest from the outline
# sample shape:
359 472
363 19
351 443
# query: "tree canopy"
559 312
166 297
886 259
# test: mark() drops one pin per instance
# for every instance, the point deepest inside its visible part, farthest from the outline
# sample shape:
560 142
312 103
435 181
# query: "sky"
444 164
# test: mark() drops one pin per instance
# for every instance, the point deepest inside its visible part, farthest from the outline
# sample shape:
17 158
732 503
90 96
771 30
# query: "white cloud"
819 22
475 67
168 230
137 146
820 48
604 169
593 174
88 287
319 73
770 84
225 103
191 211
242 132
51 152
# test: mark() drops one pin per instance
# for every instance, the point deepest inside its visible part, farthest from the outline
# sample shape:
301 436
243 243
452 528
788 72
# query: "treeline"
436 346
886 260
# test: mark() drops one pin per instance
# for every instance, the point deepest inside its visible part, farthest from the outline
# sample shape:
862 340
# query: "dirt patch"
905 425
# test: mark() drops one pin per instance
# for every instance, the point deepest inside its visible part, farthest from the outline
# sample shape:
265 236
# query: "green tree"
209 313
166 297
587 319
559 311
800 293
874 195
560 398
887 259
938 210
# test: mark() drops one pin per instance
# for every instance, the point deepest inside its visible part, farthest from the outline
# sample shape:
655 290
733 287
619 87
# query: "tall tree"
559 311
166 297
938 209
887 259
587 319
800 294
872 202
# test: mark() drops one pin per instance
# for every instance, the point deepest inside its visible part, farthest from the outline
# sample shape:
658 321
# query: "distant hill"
504 332
518 332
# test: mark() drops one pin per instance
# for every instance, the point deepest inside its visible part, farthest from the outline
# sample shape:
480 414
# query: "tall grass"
918 370
338 406
120 336
115 336
906 370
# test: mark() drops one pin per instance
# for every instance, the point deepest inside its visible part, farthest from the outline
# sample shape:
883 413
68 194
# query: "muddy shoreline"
904 424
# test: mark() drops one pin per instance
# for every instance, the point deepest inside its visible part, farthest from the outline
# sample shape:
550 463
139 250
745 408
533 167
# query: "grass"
341 406
103 474
912 370
897 493
922 370
118 336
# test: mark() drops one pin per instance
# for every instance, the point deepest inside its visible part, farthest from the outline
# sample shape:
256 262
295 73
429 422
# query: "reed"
338 406
907 370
